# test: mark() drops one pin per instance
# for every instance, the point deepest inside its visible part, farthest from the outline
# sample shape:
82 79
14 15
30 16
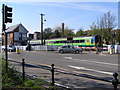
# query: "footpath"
65 80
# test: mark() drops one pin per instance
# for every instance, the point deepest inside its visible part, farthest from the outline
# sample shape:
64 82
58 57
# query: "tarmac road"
88 63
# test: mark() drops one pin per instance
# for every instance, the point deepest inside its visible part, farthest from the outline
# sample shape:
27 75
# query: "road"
86 63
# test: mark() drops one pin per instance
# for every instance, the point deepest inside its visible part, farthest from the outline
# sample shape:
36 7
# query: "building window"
20 36
8 35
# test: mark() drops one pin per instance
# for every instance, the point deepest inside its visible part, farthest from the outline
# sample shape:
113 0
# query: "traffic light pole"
5 36
6 52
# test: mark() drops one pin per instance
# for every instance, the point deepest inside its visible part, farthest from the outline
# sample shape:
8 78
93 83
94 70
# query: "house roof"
12 28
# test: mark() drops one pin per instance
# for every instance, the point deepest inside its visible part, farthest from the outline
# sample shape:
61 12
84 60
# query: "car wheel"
61 51
77 51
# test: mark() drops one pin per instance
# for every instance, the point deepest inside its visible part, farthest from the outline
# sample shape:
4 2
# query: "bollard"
17 50
115 81
23 68
52 70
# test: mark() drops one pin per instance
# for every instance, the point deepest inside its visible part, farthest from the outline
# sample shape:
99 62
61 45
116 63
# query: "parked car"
9 48
69 49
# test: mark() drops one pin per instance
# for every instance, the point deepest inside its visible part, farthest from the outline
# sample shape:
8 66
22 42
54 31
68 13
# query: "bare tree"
106 24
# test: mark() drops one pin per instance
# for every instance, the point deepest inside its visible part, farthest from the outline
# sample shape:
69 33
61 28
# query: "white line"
76 67
67 57
97 62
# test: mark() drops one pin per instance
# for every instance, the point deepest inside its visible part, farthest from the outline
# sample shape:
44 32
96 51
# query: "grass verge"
13 80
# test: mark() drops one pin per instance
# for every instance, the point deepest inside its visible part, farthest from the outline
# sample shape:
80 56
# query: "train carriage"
85 42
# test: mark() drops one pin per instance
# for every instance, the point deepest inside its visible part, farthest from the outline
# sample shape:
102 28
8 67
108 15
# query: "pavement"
105 53
64 80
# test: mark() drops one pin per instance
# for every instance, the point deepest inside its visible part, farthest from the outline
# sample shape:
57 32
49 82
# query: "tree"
105 25
80 32
48 30
94 29
47 33
55 34
59 29
117 37
68 32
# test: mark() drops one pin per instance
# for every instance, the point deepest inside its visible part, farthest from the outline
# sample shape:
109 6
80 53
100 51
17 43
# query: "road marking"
67 57
83 68
85 73
37 63
47 65
97 62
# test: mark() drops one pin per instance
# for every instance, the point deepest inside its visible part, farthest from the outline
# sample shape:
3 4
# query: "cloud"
80 5
90 7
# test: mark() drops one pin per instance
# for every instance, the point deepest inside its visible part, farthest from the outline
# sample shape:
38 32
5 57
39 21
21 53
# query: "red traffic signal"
8 14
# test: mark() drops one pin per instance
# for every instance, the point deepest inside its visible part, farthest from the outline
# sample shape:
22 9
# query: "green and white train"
88 42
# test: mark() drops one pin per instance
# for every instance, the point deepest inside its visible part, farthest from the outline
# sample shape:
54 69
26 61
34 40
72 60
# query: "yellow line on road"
47 65
36 63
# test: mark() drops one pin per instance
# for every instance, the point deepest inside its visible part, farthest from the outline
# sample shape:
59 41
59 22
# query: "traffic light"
8 14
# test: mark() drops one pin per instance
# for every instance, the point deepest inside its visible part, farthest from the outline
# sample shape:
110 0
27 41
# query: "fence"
39 47
54 48
116 48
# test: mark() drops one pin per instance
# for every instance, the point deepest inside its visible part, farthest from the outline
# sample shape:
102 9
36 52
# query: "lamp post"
42 20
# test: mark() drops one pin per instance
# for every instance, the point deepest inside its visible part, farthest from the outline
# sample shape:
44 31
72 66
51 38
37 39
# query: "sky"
74 15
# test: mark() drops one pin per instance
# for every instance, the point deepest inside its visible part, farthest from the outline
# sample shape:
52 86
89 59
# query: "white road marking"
97 62
67 57
83 68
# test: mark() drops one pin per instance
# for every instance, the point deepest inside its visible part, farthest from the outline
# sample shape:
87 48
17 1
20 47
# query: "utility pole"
42 28
63 27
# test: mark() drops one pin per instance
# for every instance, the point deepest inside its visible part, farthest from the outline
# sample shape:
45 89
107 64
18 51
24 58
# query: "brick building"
16 35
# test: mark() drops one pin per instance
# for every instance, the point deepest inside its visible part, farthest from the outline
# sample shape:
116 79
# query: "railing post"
23 68
52 70
115 81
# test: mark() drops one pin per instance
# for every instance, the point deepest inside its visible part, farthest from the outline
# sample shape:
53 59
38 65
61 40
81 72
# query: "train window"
82 41
61 41
73 41
57 41
76 41
64 41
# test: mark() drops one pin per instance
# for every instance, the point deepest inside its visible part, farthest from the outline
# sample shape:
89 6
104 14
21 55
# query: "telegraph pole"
63 25
42 28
